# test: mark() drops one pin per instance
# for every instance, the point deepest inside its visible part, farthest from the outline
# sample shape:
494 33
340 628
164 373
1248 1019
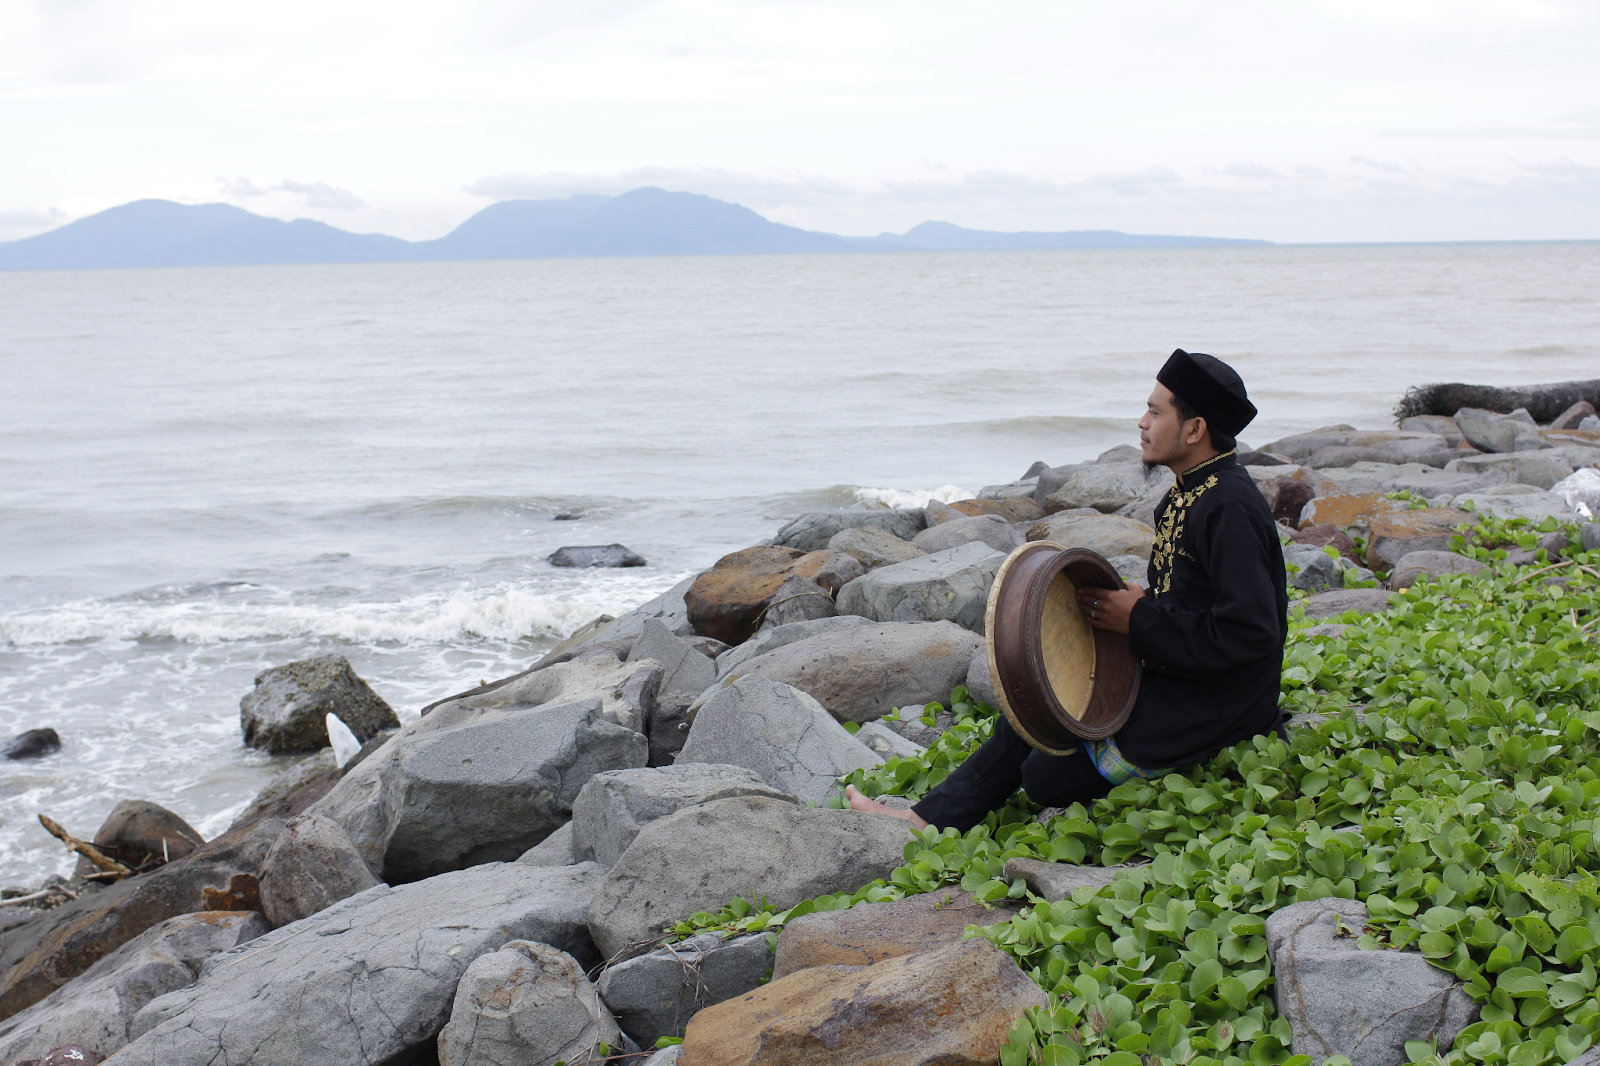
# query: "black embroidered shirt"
1211 627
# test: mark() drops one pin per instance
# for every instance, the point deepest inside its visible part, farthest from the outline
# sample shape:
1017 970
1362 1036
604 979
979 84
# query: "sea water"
207 472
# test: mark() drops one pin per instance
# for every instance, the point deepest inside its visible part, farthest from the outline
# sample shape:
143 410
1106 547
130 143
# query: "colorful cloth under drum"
1114 767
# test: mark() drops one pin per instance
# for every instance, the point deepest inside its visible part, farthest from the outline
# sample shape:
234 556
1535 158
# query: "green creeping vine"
1449 785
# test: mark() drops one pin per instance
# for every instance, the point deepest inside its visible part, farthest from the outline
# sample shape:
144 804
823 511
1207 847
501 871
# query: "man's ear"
1198 433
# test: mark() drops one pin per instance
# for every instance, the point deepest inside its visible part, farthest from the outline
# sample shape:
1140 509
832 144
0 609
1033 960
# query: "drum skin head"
1059 680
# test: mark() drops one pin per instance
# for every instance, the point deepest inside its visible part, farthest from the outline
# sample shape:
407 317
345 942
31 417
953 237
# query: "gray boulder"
312 866
1022 488
1313 569
96 1008
767 640
1415 566
685 673
617 634
553 850
606 555
800 599
1489 431
615 805
1524 468
980 682
673 1054
873 547
886 742
864 672
1110 535
812 531
703 856
1340 1000
1581 489
287 710
367 978
1443 425
1518 501
1131 568
910 725
1056 881
1107 487
526 1005
989 529
951 585
779 732
1336 602
1591 536
486 777
655 995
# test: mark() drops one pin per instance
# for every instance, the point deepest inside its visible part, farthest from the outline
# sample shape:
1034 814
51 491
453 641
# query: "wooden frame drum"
1059 680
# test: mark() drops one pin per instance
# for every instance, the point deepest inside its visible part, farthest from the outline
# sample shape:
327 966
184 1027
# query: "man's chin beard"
1150 468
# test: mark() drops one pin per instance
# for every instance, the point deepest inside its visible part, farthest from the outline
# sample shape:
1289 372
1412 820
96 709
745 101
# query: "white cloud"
319 194
239 187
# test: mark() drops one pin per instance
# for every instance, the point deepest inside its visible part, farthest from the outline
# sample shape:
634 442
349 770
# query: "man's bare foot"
861 803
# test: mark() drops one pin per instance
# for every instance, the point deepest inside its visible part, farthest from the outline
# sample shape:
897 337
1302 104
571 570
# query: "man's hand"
1109 608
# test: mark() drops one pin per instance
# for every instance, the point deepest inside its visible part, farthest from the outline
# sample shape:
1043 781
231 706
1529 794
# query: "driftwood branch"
53 890
84 848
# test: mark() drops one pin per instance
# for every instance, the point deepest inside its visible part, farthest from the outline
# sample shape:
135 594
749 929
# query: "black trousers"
1005 763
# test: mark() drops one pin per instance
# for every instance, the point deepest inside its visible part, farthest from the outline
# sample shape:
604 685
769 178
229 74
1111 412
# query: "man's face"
1161 430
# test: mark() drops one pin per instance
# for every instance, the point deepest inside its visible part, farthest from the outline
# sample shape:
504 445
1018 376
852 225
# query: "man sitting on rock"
1209 630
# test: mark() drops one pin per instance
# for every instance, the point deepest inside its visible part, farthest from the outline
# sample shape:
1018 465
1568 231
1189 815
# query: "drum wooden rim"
1021 666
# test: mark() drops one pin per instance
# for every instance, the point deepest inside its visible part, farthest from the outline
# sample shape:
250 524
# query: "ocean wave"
913 497
506 612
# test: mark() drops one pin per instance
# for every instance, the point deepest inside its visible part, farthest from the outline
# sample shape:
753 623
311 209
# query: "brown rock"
1347 509
952 1006
140 834
871 932
1287 496
1394 535
1422 565
1329 535
726 601
1335 602
1018 509
1570 418
61 943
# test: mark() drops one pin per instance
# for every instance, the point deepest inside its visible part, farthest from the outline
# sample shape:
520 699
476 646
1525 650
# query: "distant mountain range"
642 222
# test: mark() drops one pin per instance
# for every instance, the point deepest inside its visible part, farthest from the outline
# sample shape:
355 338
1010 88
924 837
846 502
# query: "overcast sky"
1300 120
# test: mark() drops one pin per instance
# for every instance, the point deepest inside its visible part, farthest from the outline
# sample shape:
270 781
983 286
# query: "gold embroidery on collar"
1196 468
1170 529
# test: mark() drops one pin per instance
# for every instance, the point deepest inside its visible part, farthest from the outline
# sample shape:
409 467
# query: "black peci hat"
1211 388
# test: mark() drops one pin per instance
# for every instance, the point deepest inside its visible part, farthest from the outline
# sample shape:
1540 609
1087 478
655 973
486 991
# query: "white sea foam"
913 497
505 612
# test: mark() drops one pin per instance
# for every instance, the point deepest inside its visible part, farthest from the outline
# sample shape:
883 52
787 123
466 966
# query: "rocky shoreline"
498 881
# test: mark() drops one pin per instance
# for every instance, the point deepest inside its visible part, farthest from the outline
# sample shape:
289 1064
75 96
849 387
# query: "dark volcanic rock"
67 1055
139 834
288 709
597 555
32 744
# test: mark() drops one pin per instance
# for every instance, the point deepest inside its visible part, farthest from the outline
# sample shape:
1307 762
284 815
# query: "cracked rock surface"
526 1005
779 732
96 1009
700 857
365 979
1340 1000
615 805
